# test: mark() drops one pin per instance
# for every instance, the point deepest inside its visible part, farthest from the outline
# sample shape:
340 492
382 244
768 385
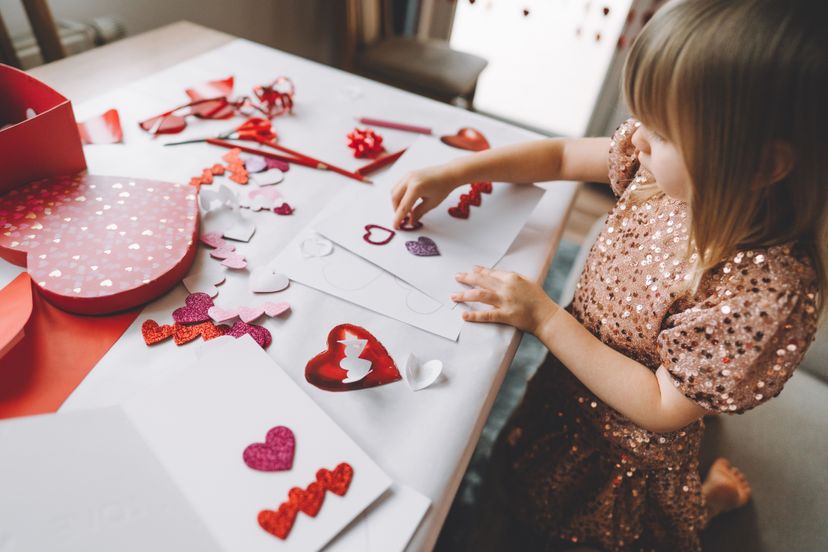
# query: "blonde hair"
727 81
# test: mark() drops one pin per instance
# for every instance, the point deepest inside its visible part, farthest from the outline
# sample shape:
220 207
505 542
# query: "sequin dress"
572 468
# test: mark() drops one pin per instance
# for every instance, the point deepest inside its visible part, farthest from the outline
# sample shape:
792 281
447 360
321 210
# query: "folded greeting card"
261 466
475 225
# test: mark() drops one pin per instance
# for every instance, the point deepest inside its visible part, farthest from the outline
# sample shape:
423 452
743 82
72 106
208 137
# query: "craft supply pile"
199 210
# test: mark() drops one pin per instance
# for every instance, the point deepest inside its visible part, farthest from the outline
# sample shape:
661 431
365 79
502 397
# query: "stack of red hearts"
309 500
473 197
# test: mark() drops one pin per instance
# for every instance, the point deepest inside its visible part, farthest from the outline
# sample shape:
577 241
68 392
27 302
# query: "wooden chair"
44 29
428 67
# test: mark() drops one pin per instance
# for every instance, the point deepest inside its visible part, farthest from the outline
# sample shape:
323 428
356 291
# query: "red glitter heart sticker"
195 309
368 235
280 522
325 370
309 500
336 481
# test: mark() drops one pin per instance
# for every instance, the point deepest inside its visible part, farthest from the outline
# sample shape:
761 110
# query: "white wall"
303 27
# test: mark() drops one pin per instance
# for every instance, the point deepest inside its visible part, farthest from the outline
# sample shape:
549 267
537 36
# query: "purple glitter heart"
277 164
194 310
255 163
275 454
423 247
259 334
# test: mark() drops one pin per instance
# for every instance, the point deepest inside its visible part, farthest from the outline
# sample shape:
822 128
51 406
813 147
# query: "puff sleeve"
739 345
623 157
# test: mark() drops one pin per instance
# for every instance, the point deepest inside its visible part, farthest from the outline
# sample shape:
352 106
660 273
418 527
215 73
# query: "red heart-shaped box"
324 371
100 244
45 145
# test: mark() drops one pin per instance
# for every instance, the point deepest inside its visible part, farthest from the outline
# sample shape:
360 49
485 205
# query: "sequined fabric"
575 469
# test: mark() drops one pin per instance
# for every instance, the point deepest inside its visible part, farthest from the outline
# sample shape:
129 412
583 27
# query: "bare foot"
725 488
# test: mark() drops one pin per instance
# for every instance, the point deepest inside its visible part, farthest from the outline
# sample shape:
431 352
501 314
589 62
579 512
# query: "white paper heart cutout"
419 376
316 246
266 280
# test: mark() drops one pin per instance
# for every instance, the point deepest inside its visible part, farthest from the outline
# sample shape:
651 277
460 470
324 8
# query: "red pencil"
396 126
379 163
254 151
322 164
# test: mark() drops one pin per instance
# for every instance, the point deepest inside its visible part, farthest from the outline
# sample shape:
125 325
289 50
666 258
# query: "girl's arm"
580 159
648 399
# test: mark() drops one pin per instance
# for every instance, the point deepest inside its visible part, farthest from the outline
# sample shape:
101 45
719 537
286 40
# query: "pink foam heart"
269 193
275 454
223 252
196 309
234 260
259 334
275 309
219 314
249 314
213 239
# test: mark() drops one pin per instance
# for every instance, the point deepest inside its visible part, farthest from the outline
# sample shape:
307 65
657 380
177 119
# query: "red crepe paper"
325 371
365 143
368 235
103 129
308 500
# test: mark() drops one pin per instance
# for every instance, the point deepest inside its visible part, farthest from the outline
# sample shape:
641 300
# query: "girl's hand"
432 185
516 300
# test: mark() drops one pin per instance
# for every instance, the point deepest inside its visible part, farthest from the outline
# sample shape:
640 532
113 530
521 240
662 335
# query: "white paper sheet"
349 277
87 481
199 422
481 239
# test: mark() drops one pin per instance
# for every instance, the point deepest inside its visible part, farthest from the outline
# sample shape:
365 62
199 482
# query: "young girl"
700 295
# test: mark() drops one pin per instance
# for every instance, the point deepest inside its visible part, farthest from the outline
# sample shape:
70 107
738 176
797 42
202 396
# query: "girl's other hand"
431 185
517 301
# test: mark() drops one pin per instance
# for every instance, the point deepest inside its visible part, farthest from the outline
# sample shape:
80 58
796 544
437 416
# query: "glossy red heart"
278 523
336 481
467 139
309 500
324 370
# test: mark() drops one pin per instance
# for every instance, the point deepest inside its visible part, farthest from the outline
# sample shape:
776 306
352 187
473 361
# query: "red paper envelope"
43 146
55 353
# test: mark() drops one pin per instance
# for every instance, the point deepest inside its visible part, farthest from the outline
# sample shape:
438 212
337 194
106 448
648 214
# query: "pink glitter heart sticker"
275 454
259 334
195 309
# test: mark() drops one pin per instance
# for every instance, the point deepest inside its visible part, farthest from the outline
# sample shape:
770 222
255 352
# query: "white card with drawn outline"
349 277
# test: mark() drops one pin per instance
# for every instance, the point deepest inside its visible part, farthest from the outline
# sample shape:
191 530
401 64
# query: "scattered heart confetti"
234 261
240 231
194 310
270 177
266 280
368 235
316 246
259 334
248 314
419 376
423 247
326 372
205 281
212 239
283 166
154 333
275 454
308 501
283 209
219 314
467 139
485 187
262 198
255 164
275 309
223 252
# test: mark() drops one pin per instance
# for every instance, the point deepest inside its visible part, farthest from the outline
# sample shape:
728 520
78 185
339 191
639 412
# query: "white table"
423 440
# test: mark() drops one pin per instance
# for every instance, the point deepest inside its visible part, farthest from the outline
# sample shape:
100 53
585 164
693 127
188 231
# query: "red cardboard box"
43 146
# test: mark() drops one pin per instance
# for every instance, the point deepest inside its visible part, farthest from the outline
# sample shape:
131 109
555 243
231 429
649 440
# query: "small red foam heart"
309 500
336 481
283 209
154 333
278 523
485 187
324 370
467 139
368 235
460 211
